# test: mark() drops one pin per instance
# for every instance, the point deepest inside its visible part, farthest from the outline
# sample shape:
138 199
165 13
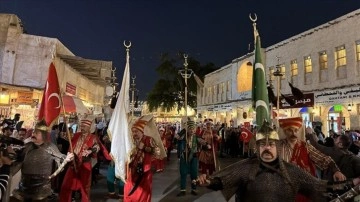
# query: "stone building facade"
24 64
324 62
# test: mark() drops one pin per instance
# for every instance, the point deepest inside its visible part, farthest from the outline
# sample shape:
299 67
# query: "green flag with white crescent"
259 92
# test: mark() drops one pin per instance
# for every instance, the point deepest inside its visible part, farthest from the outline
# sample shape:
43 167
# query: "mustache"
267 152
33 137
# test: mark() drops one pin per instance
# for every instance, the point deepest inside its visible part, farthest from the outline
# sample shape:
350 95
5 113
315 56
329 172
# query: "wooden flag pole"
67 132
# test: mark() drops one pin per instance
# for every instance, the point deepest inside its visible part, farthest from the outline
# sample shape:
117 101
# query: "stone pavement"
169 180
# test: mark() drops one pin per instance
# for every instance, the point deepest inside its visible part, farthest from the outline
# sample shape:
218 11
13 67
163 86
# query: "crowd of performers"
43 166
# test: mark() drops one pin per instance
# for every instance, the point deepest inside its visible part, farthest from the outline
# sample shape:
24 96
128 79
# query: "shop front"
338 109
19 100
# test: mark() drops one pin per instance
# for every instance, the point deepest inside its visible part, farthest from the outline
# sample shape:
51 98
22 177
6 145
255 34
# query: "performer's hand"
202 180
208 146
309 130
5 159
69 157
338 176
86 153
356 181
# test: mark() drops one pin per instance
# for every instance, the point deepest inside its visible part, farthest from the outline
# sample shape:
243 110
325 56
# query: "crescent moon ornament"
57 96
244 134
186 56
127 46
253 19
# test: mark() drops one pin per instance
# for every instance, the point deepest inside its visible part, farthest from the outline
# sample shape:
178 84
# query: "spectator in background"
22 134
320 135
28 135
221 133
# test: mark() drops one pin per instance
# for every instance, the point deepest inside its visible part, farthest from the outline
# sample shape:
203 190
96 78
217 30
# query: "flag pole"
67 131
132 113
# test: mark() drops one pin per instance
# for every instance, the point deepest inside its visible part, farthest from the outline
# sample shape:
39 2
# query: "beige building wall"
25 60
328 38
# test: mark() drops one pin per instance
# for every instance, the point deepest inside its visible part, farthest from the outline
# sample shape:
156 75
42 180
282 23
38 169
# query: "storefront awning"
91 69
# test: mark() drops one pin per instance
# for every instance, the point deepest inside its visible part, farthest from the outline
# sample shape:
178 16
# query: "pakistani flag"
259 91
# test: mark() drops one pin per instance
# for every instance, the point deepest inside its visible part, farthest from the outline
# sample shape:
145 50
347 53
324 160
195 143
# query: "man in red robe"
295 150
138 185
85 149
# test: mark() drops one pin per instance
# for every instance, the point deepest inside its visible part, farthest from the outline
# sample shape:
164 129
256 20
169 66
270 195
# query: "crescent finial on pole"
253 19
127 46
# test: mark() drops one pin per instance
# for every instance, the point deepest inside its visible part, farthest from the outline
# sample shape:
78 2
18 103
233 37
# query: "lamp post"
186 74
278 74
133 89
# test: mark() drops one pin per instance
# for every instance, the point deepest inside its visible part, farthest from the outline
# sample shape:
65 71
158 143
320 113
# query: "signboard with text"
25 97
307 101
338 96
71 89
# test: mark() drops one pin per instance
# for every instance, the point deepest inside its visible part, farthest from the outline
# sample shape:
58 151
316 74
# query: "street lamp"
186 74
278 74
133 89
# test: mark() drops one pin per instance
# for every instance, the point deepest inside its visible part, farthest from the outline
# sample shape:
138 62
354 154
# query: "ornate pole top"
186 63
127 46
256 33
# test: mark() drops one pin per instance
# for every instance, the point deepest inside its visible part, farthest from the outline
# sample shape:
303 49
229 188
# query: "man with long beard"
78 179
298 152
267 177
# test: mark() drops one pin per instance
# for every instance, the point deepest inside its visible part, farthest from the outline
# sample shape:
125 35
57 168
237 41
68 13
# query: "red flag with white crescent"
50 104
246 134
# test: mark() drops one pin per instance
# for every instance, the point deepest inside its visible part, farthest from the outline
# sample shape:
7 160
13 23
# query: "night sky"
215 31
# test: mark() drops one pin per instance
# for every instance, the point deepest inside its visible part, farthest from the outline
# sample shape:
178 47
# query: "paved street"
163 181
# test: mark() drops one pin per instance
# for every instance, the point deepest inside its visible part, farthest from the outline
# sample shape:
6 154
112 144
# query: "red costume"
169 136
140 159
160 163
302 154
81 179
207 156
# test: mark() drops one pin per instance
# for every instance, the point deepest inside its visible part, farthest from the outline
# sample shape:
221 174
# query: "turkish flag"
50 104
245 134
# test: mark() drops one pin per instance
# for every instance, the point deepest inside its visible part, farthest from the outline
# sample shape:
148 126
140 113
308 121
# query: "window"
209 91
228 86
271 73
323 60
294 68
307 64
215 90
340 56
358 50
